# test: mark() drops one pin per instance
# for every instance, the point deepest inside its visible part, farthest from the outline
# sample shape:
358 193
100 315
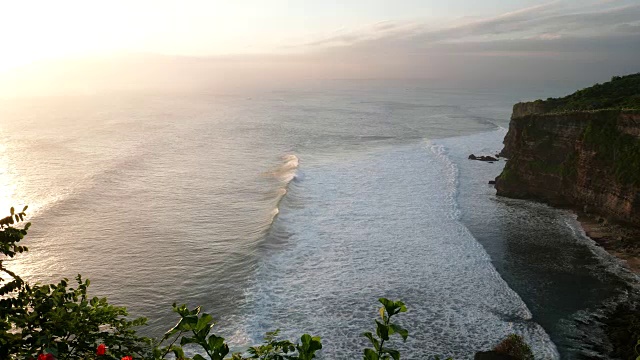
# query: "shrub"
515 346
57 321
384 329
622 92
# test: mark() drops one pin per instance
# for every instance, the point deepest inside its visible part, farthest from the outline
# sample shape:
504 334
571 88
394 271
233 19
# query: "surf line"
285 174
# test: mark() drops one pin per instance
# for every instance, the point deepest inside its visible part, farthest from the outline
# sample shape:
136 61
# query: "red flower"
101 350
46 357
127 358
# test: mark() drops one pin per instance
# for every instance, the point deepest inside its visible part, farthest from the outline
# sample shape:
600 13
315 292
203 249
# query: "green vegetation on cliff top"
622 92
618 151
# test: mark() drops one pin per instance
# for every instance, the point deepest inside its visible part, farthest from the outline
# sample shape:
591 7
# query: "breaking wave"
285 174
331 270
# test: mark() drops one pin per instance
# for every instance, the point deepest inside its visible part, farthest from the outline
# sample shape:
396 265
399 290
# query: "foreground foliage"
64 321
515 346
384 329
61 321
56 319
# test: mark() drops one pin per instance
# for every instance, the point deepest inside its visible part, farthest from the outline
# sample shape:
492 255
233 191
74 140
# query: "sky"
259 40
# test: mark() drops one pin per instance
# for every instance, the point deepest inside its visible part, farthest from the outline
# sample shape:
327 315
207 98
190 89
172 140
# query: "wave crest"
285 173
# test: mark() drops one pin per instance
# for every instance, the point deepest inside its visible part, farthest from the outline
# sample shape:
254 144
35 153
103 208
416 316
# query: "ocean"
296 209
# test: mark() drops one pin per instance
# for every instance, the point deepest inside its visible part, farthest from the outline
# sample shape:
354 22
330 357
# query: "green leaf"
382 330
369 354
374 341
52 351
203 321
395 354
178 352
309 345
215 342
187 340
393 307
399 330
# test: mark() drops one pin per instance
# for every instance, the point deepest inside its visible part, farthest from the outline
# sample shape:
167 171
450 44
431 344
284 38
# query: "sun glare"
33 31
7 185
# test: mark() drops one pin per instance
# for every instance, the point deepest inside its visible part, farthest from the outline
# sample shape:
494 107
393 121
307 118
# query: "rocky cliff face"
530 108
580 159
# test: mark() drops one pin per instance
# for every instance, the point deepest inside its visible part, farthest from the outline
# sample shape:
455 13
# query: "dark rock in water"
482 158
492 355
490 162
497 155
492 182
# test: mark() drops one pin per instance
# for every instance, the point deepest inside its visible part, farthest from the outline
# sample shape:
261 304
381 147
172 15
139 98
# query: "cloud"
629 28
555 41
504 23
548 21
378 31
550 43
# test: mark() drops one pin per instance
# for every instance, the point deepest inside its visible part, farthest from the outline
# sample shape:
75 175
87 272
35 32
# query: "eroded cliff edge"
583 151
580 151
583 159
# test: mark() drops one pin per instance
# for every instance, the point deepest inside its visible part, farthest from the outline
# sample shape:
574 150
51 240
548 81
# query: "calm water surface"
298 209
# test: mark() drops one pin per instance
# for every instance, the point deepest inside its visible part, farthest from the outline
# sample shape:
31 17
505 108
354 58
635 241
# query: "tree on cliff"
622 92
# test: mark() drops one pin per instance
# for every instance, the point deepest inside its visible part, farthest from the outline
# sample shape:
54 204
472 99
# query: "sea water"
298 209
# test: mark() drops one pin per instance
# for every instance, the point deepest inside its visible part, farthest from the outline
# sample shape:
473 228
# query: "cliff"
584 159
583 151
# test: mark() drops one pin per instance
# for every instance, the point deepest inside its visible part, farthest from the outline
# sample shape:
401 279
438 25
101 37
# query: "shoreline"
621 241
620 324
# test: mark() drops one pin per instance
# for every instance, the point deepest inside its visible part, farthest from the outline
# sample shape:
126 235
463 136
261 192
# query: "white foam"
346 249
286 172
